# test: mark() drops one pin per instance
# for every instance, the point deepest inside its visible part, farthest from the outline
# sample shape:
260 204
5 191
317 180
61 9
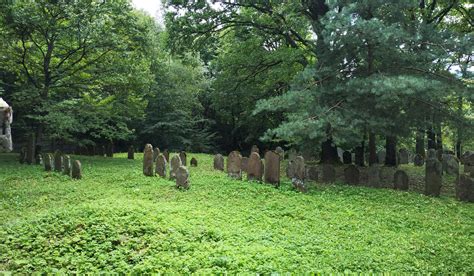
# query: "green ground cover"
116 219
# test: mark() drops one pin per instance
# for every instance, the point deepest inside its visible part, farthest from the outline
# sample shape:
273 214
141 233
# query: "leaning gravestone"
312 173
400 180
76 169
166 154
22 155
234 165
465 188
381 157
418 160
58 161
280 152
403 156
245 163
299 175
156 152
433 171
182 156
131 153
218 162
67 165
254 168
272 168
351 175
174 166
255 149
48 162
347 157
374 176
450 164
193 162
30 149
329 173
148 160
160 165
182 178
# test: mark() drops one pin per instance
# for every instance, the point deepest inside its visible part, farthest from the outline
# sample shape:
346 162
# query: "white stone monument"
6 118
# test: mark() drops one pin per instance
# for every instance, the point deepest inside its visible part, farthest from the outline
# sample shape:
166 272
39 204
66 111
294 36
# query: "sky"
152 7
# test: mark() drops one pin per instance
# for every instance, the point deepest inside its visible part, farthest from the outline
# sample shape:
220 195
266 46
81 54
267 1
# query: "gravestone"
439 154
292 154
373 176
468 161
156 153
131 153
381 157
39 159
351 175
312 173
328 173
347 157
22 155
30 149
182 178
418 160
67 165
299 175
400 180
234 165
219 162
76 170
280 152
254 149
450 164
194 162
433 171
290 169
58 161
340 154
174 166
109 151
272 168
465 188
148 160
254 168
403 156
160 165
245 162
183 156
48 162
166 154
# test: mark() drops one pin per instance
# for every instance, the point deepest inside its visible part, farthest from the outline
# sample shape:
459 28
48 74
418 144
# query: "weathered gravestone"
22 155
30 149
400 180
156 153
292 154
148 160
254 167
450 164
174 166
193 162
76 169
48 162
433 171
419 160
351 175
381 157
58 161
328 173
183 157
347 157
219 162
234 165
290 169
465 188
255 149
312 173
280 152
468 161
131 153
182 178
160 165
39 159
373 176
272 168
67 165
166 154
299 175
403 156
245 162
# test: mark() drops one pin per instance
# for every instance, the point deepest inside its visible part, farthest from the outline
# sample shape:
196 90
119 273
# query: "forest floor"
116 219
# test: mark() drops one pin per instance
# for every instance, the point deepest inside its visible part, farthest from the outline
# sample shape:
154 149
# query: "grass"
116 219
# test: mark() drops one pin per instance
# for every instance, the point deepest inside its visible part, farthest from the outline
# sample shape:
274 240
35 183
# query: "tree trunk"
391 151
329 153
372 149
359 155
431 138
420 143
439 137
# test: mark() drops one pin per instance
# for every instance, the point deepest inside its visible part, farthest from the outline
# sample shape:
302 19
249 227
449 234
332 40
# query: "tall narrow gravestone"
219 162
131 153
48 162
234 165
183 157
23 155
433 171
67 165
403 156
299 174
272 168
160 165
254 168
166 154
245 162
465 188
58 161
148 160
156 153
373 176
76 170
174 166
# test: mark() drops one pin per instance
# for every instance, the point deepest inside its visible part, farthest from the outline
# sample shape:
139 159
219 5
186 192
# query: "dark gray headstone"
131 153
183 157
67 165
400 180
272 168
166 154
182 178
48 162
245 162
156 153
219 162
254 168
299 175
174 166
450 164
234 165
403 156
465 188
148 160
418 160
290 169
193 162
312 173
351 175
76 169
22 157
433 177
58 161
373 178
328 173
160 165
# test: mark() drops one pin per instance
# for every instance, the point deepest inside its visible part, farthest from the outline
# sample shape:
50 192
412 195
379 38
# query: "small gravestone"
433 171
465 188
58 161
400 180
39 159
148 160
160 165
109 151
194 162
280 152
30 149
403 156
418 160
347 157
329 173
219 162
48 162
234 165
351 175
174 166
182 178
299 175
166 154
182 156
381 156
67 165
450 164
290 169
131 153
373 176
254 167
245 163
156 153
76 169
312 173
254 149
22 155
272 168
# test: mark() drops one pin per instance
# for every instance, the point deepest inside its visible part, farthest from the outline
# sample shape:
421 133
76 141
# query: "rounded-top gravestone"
219 162
234 165
433 174
160 165
272 168
182 178
174 166
193 162
254 168
148 160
